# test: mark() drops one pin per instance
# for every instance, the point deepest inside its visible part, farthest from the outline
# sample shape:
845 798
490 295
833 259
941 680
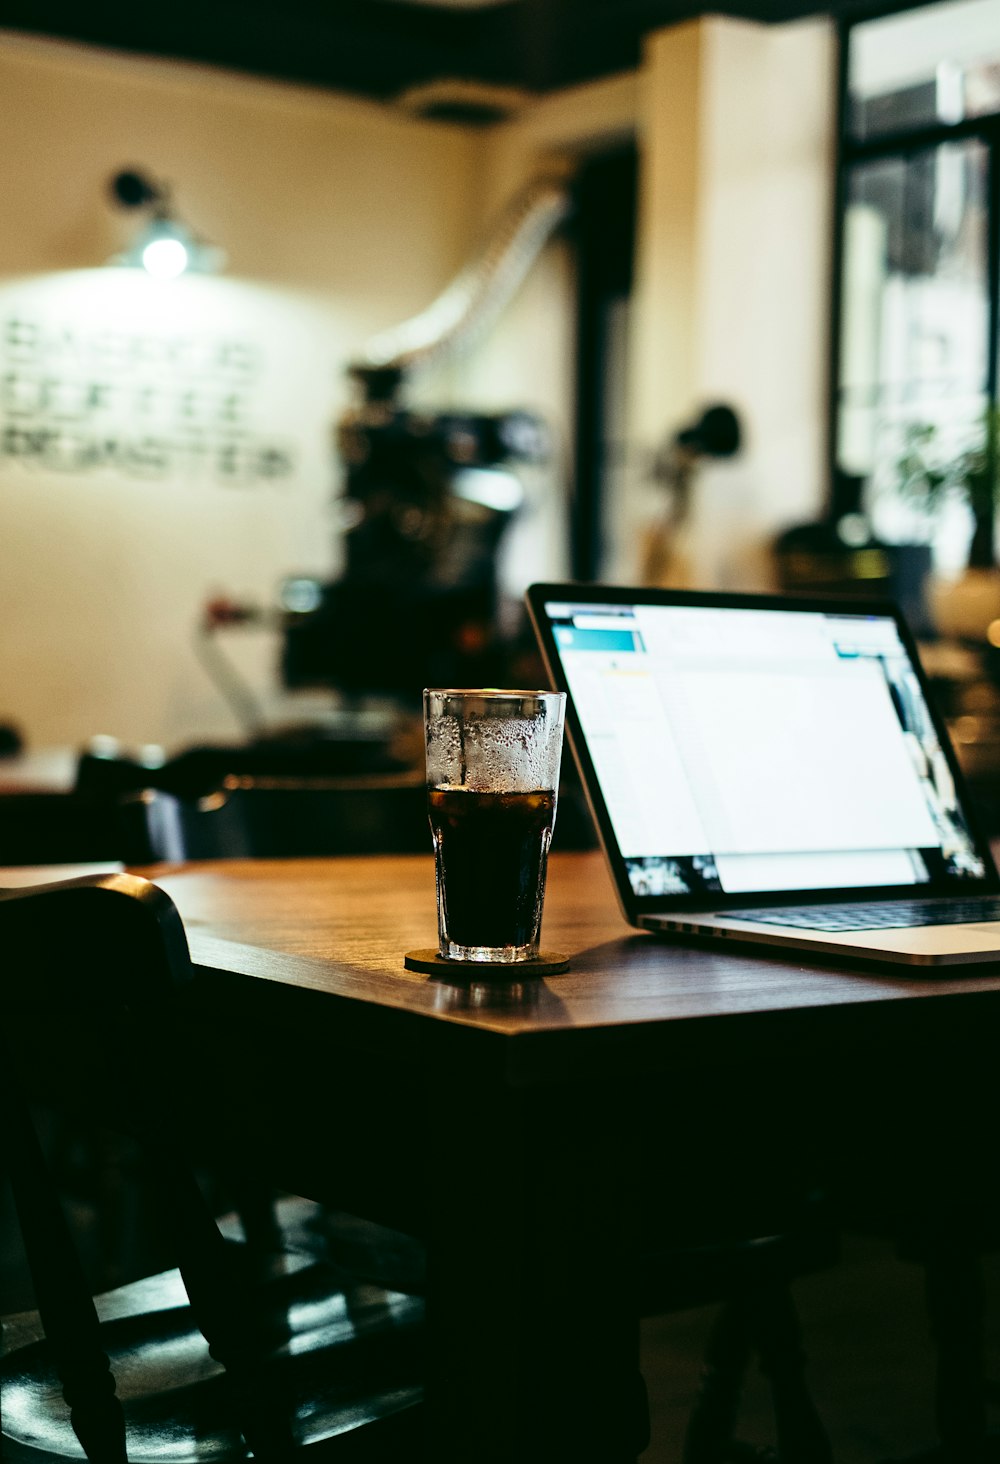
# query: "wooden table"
538 1133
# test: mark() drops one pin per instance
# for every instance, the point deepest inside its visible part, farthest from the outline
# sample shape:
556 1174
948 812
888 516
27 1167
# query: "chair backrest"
94 968
281 818
201 768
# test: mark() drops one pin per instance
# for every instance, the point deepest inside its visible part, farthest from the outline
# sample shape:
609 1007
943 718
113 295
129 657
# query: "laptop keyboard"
879 914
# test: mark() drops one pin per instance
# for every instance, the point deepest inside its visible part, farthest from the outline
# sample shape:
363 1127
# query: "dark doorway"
604 231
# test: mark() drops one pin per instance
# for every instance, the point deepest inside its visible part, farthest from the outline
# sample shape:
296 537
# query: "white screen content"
744 749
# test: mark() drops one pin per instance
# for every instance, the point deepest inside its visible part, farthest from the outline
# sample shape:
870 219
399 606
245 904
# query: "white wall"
338 217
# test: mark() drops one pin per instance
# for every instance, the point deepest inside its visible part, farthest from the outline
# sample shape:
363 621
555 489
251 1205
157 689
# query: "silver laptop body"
765 768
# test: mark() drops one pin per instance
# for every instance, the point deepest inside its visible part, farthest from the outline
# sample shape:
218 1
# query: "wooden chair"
749 1281
935 1197
207 1361
278 818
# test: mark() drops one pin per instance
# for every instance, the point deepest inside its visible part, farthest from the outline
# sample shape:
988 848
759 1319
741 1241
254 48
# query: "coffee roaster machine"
427 499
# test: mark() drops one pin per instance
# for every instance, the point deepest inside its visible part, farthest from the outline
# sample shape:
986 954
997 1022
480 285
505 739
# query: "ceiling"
382 48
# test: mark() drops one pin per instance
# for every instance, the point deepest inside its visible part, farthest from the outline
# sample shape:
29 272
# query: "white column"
732 293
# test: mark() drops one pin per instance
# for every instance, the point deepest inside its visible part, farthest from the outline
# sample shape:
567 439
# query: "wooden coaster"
546 963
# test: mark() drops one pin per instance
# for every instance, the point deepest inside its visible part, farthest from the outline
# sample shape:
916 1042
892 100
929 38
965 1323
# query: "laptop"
772 769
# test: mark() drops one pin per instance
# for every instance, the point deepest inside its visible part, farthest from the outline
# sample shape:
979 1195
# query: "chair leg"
955 1310
709 1435
255 1205
801 1438
62 1295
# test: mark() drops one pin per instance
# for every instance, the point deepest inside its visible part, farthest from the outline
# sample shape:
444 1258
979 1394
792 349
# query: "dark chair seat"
174 1393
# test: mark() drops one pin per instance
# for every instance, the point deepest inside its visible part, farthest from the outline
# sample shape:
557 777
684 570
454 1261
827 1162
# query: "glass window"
915 311
938 64
919 310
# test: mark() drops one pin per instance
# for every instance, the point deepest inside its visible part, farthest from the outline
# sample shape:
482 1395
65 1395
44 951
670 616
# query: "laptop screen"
744 750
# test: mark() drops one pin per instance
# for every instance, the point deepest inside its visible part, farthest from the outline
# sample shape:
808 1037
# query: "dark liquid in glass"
491 850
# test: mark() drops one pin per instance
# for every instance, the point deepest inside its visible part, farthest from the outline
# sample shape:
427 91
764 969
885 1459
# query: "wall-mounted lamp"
164 247
716 433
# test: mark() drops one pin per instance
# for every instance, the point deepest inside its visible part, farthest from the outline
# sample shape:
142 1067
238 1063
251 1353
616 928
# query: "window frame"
851 152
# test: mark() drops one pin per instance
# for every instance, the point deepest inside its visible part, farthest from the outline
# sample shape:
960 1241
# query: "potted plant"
973 474
927 477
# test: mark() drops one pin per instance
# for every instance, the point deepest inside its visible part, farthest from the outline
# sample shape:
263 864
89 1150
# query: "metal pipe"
480 292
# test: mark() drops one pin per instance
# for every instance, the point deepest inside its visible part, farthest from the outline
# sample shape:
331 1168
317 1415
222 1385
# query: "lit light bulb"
165 259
